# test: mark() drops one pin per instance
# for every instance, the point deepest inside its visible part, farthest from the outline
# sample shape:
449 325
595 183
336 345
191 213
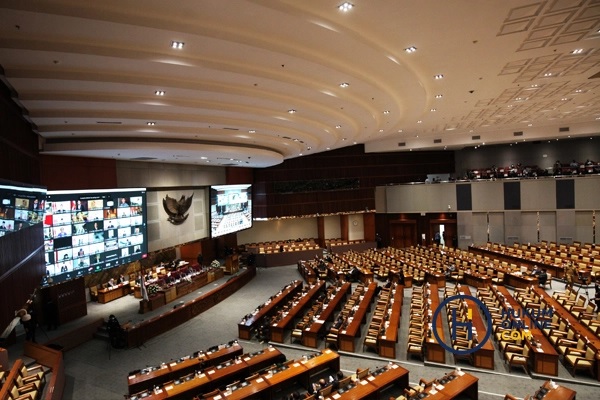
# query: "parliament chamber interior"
321 200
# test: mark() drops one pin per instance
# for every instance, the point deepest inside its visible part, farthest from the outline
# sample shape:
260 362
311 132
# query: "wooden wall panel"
370 169
18 143
23 266
64 173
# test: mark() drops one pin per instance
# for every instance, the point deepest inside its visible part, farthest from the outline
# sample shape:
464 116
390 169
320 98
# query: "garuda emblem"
176 209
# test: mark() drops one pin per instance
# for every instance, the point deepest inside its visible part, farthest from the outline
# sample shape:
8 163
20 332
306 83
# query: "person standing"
570 274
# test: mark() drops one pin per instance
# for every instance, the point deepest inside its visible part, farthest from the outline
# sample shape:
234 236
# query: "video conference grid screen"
230 209
89 231
20 207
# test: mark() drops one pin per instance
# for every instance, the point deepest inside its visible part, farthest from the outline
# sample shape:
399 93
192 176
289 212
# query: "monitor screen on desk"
230 209
89 231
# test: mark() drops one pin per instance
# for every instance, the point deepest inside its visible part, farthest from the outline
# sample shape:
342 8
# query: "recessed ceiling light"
203 158
345 6
578 91
438 76
530 125
150 123
177 45
534 85
292 111
300 154
309 148
419 122
439 96
344 139
410 49
577 51
344 84
433 110
386 112
548 74
251 131
564 99
159 92
399 130
338 127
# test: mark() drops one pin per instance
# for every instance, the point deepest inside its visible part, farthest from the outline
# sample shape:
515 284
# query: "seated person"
112 283
122 279
543 277
535 271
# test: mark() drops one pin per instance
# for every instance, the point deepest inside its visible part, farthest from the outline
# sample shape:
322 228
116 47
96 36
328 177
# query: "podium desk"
107 295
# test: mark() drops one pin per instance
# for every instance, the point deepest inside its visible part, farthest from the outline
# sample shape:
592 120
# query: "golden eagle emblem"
176 209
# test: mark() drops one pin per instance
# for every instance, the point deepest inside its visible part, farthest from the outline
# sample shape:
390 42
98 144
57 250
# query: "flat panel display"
89 231
230 209
20 207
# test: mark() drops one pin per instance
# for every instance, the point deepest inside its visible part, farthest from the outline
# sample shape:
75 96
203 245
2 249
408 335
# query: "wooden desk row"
592 339
268 383
543 358
387 342
306 299
372 386
483 357
434 352
211 378
455 385
149 377
347 337
310 336
246 326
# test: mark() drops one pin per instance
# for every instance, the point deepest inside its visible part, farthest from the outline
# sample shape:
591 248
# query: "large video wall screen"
230 209
89 231
20 207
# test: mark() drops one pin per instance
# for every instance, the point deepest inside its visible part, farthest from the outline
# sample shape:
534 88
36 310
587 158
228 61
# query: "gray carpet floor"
94 371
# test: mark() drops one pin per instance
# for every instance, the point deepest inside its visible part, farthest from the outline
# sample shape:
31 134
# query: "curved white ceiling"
87 74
